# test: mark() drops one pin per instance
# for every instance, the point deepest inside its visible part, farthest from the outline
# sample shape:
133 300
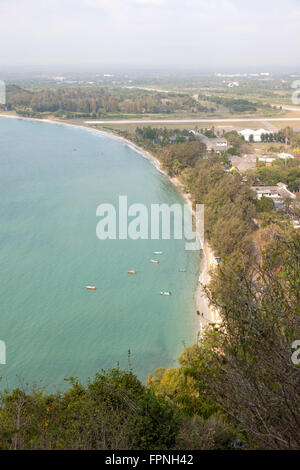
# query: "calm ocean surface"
52 178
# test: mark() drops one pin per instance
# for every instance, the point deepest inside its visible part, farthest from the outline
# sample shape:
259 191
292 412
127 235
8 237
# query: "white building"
216 144
233 84
246 133
278 194
285 156
266 159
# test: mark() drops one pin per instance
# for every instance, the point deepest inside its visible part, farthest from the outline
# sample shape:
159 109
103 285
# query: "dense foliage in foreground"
114 411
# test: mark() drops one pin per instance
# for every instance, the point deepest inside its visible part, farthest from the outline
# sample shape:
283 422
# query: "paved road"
288 108
192 121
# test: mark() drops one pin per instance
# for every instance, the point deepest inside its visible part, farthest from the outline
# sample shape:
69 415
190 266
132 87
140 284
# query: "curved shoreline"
208 262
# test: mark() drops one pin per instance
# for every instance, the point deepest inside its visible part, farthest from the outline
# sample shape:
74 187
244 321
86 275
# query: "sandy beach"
208 314
208 262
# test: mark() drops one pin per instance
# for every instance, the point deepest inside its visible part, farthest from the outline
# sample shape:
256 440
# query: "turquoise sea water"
52 178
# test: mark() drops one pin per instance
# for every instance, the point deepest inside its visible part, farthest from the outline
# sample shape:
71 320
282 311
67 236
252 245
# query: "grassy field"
281 124
270 147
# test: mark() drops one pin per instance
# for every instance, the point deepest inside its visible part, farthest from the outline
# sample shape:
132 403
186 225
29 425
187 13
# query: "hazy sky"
178 33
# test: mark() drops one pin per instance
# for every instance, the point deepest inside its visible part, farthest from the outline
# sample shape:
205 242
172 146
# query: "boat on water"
158 253
154 261
131 271
182 270
166 293
91 287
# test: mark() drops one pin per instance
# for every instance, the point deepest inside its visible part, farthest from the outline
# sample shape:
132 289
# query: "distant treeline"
96 101
235 105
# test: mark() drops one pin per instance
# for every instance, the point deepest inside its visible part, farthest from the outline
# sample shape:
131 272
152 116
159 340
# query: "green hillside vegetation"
230 205
244 367
114 411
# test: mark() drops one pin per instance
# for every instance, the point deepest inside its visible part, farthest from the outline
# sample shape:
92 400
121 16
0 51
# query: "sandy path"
192 121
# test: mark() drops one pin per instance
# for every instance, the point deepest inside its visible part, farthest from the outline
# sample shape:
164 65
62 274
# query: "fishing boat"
154 261
91 287
166 293
131 271
158 253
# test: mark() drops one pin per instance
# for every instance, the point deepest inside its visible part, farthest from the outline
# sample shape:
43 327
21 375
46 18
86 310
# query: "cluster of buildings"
233 84
279 194
268 160
220 144
243 75
249 162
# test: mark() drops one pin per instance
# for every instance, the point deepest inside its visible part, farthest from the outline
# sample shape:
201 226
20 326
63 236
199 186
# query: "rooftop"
278 192
243 163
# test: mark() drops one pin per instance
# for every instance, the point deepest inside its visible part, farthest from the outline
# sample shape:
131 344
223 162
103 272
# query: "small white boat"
154 261
91 287
166 293
158 253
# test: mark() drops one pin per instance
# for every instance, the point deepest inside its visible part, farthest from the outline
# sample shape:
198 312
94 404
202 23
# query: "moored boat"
91 287
154 261
158 253
131 271
166 293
